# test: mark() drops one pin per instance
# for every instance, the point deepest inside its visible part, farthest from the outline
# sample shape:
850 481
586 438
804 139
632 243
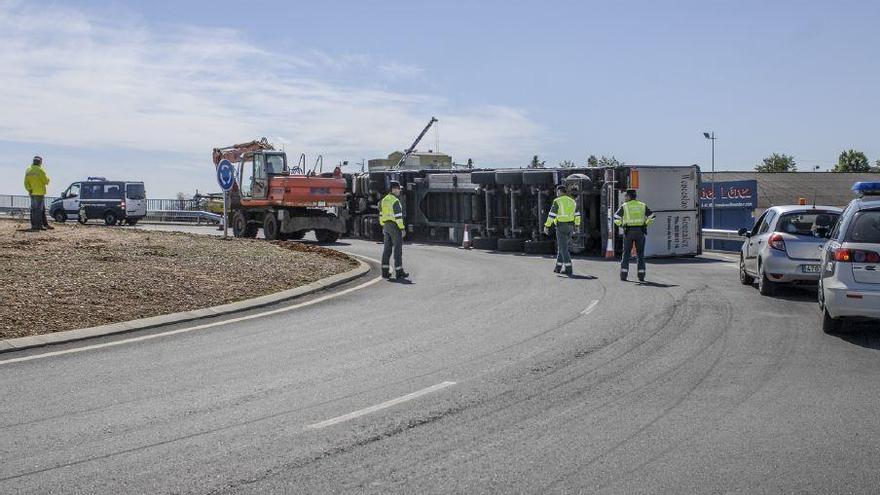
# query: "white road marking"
197 327
379 407
591 307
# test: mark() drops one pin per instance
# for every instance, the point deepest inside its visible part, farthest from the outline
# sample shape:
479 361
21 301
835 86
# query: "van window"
91 191
865 227
112 191
135 191
72 191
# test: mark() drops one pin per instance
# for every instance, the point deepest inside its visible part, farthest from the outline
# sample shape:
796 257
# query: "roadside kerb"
21 343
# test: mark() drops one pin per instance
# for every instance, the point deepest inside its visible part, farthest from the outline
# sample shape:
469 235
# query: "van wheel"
270 227
110 218
744 277
60 216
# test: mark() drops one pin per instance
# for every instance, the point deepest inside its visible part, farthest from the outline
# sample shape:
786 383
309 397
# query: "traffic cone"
609 251
466 240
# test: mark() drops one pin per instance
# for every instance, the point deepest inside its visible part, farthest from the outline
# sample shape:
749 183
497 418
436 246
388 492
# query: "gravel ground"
82 276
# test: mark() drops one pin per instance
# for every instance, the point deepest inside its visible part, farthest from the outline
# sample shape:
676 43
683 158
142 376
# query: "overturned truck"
505 209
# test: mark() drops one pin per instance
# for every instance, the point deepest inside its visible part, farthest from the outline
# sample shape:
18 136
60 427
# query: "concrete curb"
21 343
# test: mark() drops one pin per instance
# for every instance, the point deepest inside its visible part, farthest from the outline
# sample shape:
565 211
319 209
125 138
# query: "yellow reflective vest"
564 210
36 180
633 214
391 211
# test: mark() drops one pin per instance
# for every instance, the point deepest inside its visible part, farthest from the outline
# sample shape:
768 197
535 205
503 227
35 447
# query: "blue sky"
145 89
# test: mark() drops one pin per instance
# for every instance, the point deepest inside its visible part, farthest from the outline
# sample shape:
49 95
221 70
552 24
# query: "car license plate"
811 268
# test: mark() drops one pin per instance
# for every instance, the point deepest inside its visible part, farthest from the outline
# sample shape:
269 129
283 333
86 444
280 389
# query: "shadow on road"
861 333
798 293
687 261
648 283
577 277
404 281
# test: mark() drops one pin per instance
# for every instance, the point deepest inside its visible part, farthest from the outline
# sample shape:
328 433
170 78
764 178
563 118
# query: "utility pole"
711 136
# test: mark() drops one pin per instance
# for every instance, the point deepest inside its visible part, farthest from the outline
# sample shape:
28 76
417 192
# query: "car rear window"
135 191
813 224
865 227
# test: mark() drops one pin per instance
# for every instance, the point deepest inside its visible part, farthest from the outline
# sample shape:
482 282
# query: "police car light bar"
866 188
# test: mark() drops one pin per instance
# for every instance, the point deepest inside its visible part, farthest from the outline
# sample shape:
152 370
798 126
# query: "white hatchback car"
849 285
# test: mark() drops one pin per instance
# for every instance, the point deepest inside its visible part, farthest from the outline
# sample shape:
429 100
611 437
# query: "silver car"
785 246
850 284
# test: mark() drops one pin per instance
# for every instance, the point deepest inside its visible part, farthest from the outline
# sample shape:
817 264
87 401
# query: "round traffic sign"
225 174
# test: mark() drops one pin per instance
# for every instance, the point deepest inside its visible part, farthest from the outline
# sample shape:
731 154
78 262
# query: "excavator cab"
256 168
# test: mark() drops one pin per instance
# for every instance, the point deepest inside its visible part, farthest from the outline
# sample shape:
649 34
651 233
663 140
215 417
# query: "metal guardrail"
721 235
158 210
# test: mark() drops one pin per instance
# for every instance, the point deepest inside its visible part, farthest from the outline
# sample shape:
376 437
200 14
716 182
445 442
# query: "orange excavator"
286 203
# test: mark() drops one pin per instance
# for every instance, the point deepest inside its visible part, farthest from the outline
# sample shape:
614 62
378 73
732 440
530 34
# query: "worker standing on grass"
635 217
35 182
565 216
391 218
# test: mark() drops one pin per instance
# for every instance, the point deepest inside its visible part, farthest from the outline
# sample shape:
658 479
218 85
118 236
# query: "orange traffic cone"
609 251
466 240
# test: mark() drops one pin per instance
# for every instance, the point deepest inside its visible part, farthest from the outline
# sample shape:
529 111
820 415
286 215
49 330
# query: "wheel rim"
742 270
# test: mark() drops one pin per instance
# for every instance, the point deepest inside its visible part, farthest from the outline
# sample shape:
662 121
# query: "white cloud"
77 80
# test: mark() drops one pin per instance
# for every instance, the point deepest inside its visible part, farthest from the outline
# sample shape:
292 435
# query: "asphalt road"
487 374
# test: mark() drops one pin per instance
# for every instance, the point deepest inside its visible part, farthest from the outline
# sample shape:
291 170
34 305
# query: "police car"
849 286
114 202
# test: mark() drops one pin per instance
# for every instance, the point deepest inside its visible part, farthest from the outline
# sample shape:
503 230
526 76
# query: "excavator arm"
236 151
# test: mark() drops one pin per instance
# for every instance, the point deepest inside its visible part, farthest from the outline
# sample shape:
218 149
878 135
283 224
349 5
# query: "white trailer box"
673 194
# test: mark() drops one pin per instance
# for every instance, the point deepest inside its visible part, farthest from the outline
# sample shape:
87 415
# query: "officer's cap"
561 187
631 193
394 184
38 159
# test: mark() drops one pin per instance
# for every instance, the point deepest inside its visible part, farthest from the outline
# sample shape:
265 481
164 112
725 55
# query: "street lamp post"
711 136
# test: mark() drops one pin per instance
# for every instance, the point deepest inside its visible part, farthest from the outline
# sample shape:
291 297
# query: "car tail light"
777 242
856 256
123 205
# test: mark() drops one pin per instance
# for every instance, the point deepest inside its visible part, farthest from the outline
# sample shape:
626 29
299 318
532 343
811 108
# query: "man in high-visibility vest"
35 182
565 216
393 229
635 217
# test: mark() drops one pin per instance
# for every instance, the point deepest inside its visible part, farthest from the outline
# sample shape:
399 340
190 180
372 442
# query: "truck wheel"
110 218
511 245
509 177
537 177
483 178
241 227
539 247
295 236
60 216
270 227
488 243
132 221
325 236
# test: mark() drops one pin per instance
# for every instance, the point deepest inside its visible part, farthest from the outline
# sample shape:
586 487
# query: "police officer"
35 182
635 217
391 218
565 216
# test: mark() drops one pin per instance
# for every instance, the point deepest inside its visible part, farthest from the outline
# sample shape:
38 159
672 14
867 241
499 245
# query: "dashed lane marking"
379 407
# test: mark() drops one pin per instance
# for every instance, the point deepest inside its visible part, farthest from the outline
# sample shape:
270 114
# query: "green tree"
852 161
610 162
592 161
777 163
566 164
535 163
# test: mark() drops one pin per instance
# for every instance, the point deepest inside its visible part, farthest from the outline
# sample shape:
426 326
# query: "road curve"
488 373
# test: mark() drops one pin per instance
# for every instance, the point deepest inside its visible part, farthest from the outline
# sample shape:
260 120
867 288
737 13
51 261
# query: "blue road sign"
225 174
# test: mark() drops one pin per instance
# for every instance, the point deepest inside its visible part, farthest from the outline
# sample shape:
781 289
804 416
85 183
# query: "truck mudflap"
298 223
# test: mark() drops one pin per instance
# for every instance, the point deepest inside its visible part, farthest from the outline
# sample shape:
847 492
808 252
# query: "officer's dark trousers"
637 236
563 237
38 212
393 242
